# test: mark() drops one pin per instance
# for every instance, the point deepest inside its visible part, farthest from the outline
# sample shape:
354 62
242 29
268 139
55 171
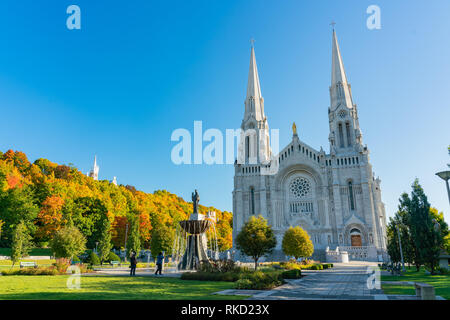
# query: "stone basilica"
333 196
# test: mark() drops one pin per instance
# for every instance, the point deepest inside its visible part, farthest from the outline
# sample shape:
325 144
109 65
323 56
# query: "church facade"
333 195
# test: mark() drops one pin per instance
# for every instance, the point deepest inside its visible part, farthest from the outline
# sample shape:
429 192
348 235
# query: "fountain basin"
195 226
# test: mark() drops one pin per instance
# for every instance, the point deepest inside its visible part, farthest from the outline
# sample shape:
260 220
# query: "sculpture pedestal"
194 254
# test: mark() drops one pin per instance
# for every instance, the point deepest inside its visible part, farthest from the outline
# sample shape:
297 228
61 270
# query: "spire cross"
332 24
252 41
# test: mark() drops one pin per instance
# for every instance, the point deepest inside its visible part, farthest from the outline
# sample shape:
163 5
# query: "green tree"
256 238
17 205
104 244
134 237
400 223
68 242
427 239
1 226
296 242
161 240
21 243
446 244
87 214
393 248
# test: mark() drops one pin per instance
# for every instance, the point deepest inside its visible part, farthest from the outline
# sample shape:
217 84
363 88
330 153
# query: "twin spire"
340 91
254 102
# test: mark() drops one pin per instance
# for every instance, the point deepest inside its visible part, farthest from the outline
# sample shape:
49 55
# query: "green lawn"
110 287
441 283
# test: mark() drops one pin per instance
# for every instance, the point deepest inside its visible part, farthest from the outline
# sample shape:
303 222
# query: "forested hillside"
46 196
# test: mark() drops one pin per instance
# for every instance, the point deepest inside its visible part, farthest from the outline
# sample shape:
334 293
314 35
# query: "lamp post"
445 175
401 250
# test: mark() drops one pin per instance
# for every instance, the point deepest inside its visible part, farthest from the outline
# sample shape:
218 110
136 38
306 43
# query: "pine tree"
427 239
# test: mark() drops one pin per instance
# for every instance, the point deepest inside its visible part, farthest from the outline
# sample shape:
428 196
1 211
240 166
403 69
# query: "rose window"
300 187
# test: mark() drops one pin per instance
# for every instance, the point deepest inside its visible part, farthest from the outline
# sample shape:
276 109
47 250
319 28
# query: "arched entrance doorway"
355 238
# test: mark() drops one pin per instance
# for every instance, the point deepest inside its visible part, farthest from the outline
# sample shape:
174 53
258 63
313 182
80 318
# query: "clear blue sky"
137 71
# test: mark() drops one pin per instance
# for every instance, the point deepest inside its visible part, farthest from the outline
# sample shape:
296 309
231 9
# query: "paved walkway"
343 282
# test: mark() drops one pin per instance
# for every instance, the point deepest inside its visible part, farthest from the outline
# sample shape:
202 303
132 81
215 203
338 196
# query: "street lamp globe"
444 175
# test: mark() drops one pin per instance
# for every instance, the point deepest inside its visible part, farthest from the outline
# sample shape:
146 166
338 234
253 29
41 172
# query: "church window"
350 195
247 147
341 135
345 160
357 160
353 160
347 128
300 187
252 200
337 161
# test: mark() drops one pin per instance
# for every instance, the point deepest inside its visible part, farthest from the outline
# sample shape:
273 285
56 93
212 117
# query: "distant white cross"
332 24
252 41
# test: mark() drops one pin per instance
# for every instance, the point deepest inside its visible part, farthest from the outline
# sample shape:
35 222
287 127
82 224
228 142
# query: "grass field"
109 287
441 283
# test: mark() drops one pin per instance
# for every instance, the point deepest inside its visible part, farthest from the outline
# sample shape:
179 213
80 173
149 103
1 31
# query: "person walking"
159 263
133 263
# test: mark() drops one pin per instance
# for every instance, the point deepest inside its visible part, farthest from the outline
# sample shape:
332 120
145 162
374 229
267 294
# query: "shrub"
243 284
316 267
290 265
41 271
211 276
75 259
112 257
222 265
441 270
141 265
93 259
259 280
292 274
61 265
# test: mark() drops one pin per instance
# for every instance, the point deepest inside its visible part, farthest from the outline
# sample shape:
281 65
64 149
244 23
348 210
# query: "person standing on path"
133 263
159 263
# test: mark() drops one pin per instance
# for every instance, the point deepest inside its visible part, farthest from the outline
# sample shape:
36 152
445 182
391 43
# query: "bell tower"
345 134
